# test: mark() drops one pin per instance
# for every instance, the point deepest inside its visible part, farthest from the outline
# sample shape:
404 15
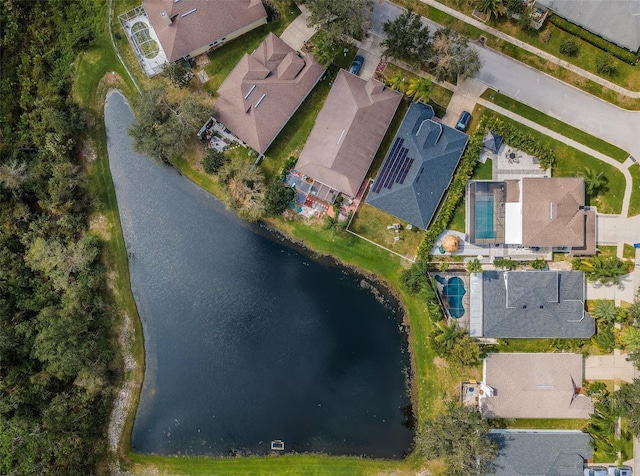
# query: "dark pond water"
247 339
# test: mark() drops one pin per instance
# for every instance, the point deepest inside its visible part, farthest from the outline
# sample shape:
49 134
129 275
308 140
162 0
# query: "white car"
620 471
596 471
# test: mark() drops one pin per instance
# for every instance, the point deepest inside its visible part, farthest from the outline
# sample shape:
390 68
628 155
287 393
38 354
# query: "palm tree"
396 81
605 270
418 89
605 311
446 336
490 7
594 181
474 266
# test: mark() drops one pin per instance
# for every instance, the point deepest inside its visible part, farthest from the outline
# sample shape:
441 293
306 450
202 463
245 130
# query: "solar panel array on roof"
396 168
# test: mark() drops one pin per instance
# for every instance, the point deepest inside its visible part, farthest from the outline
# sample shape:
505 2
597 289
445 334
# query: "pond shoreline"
369 281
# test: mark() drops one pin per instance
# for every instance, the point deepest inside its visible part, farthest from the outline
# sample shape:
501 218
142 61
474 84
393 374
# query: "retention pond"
247 339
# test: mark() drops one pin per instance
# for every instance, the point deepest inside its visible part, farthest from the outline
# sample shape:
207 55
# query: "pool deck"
490 252
462 321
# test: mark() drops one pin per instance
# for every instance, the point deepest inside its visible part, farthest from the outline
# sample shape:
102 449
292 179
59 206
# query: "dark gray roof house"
492 142
418 168
541 452
529 304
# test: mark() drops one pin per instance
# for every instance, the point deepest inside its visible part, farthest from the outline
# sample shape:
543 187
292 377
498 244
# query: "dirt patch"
99 225
125 395
440 363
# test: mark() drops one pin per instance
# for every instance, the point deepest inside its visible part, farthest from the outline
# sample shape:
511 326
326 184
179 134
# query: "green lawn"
438 93
629 252
606 250
556 125
547 423
282 465
571 163
634 204
371 223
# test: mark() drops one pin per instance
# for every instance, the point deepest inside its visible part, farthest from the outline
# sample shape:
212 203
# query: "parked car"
356 65
463 122
620 471
595 471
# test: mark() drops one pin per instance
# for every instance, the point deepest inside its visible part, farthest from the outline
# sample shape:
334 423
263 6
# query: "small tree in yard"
605 65
213 161
490 7
277 198
594 181
569 48
178 74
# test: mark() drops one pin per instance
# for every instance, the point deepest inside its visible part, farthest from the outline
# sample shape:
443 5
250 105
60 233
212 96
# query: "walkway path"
532 49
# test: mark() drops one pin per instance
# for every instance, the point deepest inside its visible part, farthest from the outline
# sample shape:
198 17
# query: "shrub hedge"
595 40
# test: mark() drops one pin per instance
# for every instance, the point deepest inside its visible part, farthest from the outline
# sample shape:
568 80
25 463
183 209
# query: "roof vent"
260 100
246 96
189 12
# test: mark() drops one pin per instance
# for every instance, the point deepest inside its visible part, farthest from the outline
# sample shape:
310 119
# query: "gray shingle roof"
544 453
535 386
615 20
433 151
530 304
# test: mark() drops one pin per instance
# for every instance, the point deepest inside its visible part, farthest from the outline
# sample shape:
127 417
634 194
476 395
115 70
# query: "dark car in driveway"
463 122
356 65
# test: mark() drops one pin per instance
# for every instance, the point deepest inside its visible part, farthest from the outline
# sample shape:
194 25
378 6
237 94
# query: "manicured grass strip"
556 125
548 423
634 204
629 252
571 163
270 465
606 250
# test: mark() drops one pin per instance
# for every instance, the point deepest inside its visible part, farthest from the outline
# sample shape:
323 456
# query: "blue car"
463 122
356 65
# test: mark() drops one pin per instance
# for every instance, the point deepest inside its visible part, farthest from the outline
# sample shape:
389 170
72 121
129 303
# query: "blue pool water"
453 292
484 217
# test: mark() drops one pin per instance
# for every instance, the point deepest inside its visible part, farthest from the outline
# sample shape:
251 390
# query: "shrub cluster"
595 40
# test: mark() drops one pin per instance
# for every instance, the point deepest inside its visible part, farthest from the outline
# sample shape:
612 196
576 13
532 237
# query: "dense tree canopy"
163 128
460 437
407 38
55 353
338 18
454 60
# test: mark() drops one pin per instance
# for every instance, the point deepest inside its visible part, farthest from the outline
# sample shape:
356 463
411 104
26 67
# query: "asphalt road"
543 92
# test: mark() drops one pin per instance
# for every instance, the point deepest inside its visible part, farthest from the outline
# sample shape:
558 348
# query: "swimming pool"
484 217
453 291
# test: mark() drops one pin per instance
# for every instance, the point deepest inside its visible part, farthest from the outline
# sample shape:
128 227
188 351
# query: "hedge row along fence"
512 136
595 40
